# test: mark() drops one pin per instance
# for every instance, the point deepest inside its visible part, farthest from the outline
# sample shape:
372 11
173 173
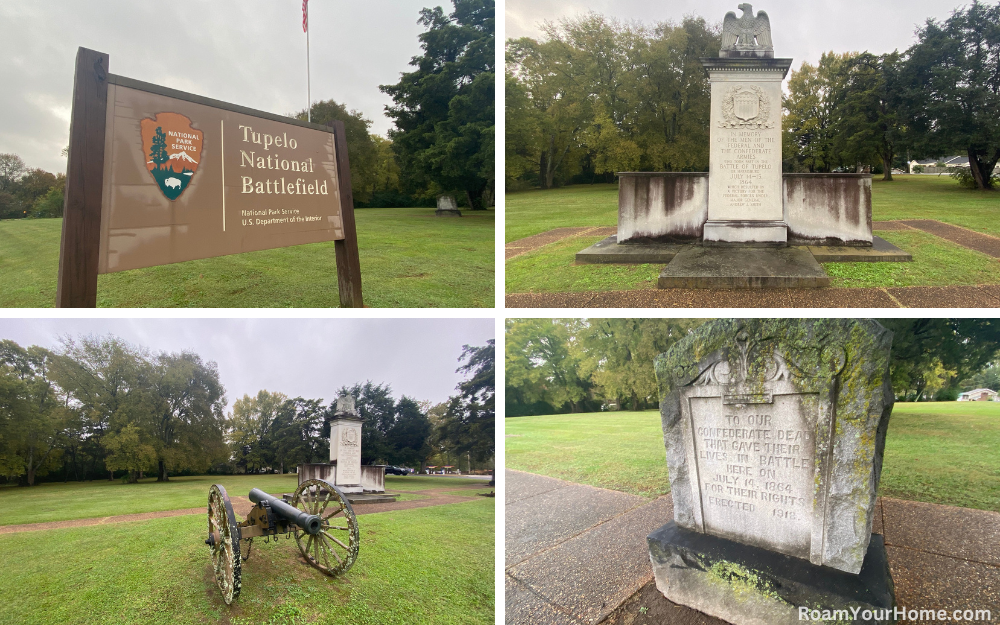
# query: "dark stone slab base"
881 251
609 252
742 268
747 585
447 213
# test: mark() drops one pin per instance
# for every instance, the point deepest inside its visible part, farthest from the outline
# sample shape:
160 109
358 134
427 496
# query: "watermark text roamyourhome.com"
899 613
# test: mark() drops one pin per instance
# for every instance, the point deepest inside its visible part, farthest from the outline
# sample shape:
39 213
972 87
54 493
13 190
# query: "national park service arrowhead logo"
172 151
746 107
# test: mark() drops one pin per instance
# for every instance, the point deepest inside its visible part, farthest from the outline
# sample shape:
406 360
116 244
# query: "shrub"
964 177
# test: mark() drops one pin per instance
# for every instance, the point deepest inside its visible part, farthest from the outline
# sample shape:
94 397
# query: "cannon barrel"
308 522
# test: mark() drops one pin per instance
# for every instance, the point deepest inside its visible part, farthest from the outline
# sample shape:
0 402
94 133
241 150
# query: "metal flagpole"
305 27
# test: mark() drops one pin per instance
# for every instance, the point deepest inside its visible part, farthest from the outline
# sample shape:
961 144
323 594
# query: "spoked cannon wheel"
224 539
335 548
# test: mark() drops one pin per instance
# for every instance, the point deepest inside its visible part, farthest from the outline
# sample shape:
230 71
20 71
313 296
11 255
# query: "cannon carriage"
319 516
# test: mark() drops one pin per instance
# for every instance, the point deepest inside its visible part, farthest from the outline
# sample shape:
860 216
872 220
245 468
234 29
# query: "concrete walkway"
576 555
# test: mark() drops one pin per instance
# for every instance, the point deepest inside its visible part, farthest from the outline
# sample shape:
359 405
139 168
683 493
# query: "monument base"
443 212
745 234
742 268
752 586
609 251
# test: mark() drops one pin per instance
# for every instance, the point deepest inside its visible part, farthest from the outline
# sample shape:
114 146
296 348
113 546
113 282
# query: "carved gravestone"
774 433
345 446
446 206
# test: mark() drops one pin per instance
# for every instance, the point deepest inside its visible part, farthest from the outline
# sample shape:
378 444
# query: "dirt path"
242 506
528 244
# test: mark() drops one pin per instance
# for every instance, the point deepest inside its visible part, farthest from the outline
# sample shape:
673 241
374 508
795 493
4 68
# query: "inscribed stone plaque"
745 152
774 432
345 450
187 178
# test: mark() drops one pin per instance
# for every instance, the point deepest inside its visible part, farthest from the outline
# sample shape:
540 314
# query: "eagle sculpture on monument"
739 33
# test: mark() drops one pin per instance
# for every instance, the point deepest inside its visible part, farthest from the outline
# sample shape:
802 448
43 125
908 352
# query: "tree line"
555 366
597 96
100 407
27 191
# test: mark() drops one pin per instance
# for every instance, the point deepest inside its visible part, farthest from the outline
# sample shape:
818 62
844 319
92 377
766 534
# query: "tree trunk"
474 193
887 166
162 472
543 169
982 168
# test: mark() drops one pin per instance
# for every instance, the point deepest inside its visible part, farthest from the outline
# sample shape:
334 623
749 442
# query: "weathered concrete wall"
828 209
661 206
372 476
820 209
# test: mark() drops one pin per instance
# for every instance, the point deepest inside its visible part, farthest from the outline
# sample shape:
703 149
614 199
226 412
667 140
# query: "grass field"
81 500
935 452
936 262
429 565
409 258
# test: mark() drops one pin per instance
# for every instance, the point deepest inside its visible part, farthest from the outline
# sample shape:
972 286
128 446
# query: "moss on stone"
745 584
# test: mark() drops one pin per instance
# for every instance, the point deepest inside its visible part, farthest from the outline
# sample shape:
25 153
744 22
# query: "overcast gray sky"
249 52
311 358
801 29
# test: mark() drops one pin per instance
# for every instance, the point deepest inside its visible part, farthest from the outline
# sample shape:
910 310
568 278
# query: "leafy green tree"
158 151
295 435
12 169
409 435
869 122
811 115
361 146
249 428
107 381
952 79
444 111
619 355
33 418
127 452
959 346
468 425
543 372
51 203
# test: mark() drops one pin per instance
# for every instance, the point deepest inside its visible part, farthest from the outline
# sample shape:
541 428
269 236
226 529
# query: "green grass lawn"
935 452
409 258
616 450
430 565
936 262
81 500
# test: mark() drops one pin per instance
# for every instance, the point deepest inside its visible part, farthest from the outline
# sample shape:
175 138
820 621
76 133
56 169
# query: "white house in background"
980 394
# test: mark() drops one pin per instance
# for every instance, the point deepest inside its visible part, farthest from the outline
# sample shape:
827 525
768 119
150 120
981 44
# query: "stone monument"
345 469
447 207
744 190
774 432
345 446
781 225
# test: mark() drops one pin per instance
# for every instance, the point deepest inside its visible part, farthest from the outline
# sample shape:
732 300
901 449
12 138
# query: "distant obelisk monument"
745 192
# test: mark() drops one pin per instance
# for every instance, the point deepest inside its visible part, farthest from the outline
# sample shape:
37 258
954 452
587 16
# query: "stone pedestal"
345 446
747 585
745 202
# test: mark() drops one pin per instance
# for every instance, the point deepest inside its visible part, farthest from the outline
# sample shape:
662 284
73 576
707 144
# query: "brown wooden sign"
158 176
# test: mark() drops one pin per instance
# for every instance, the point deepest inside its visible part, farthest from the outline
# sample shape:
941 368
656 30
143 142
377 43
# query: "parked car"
391 470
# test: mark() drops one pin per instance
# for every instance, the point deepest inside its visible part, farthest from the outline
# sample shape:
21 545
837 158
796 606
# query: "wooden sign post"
160 176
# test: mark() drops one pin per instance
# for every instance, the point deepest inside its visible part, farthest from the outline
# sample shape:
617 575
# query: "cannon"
318 515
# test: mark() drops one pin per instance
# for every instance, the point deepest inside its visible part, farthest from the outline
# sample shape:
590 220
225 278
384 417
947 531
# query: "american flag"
305 16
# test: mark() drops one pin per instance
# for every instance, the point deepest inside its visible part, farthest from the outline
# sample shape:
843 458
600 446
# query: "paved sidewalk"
574 552
577 555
